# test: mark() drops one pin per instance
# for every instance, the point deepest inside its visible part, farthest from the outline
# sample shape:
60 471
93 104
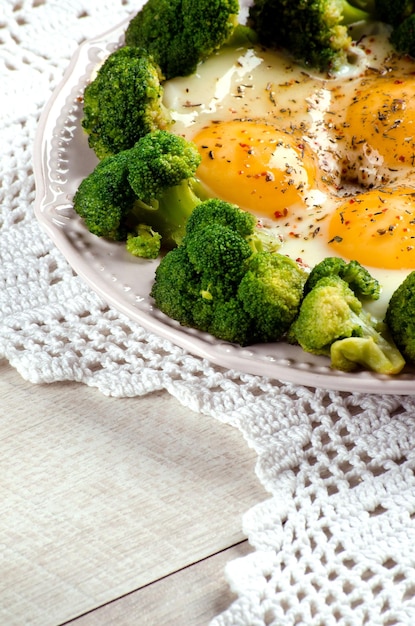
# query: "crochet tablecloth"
335 541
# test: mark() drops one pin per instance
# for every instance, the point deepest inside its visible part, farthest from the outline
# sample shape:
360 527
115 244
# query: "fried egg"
262 169
379 130
326 161
377 228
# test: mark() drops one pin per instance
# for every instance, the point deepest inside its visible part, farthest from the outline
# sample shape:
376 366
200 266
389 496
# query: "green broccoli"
218 253
216 282
400 14
403 36
177 287
104 198
400 317
314 32
246 224
144 242
162 168
270 291
123 102
151 186
358 277
393 12
230 322
243 36
158 161
181 33
332 322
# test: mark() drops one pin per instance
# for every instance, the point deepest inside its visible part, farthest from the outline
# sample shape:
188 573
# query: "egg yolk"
382 118
254 165
376 228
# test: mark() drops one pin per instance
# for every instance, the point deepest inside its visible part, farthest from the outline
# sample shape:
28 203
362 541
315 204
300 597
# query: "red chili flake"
402 159
279 214
398 81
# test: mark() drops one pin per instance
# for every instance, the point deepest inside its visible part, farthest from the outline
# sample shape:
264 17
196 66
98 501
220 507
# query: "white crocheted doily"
335 542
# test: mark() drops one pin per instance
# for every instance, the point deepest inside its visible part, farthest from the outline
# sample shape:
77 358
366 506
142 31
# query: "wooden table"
116 511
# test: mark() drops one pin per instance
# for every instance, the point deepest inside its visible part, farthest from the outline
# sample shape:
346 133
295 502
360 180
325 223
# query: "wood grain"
103 496
190 597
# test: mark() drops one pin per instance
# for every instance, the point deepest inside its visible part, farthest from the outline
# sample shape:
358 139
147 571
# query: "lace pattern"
334 543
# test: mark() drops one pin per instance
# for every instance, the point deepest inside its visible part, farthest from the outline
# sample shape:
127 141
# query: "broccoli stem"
169 213
377 356
374 349
355 12
367 6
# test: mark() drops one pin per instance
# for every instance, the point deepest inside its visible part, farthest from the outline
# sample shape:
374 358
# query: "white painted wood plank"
100 496
191 597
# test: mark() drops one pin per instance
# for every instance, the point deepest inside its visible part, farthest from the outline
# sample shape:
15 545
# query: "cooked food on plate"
270 165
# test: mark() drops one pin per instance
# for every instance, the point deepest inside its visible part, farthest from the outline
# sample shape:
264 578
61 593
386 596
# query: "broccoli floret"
361 281
394 12
181 33
185 296
230 322
218 254
177 287
151 186
271 291
401 16
158 161
123 102
217 211
403 36
314 32
104 198
358 277
144 242
225 288
246 224
328 312
400 317
332 322
162 168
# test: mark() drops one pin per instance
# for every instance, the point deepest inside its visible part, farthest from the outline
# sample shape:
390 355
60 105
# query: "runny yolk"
254 165
376 228
382 118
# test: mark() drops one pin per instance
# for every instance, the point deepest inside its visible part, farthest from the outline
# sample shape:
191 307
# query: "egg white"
252 83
